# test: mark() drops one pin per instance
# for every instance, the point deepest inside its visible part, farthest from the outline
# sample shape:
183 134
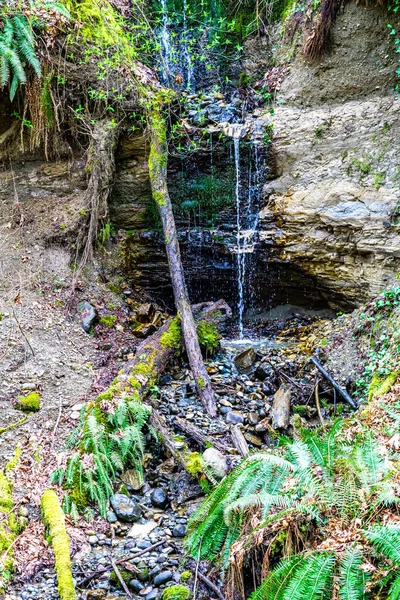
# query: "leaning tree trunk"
158 180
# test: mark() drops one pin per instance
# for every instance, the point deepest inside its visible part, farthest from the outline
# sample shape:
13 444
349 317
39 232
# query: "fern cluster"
17 50
315 482
106 441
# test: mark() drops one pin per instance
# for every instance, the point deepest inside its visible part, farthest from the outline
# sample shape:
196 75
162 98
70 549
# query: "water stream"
247 215
165 42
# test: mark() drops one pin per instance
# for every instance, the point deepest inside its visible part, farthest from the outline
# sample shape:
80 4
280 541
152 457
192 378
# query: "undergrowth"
311 514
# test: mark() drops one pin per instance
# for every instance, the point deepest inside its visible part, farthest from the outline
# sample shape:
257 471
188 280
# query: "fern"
386 539
351 577
17 51
275 584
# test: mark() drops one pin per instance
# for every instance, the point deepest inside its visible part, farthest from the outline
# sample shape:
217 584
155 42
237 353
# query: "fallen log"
198 436
153 354
280 410
335 385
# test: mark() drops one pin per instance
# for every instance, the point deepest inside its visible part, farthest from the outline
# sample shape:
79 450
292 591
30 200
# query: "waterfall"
186 53
247 216
240 255
165 42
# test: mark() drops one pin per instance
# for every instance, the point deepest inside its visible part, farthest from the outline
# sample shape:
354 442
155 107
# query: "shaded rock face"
332 208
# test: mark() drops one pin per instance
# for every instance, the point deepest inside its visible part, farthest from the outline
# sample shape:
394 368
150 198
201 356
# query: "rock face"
332 208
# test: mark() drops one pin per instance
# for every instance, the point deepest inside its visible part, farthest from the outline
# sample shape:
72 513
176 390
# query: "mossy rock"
29 403
186 576
176 592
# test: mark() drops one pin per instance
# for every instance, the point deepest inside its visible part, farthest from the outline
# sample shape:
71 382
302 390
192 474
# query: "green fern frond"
275 584
58 7
394 591
352 578
313 580
386 539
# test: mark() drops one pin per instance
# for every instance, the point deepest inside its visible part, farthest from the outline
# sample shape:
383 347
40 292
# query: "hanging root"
53 518
316 43
100 167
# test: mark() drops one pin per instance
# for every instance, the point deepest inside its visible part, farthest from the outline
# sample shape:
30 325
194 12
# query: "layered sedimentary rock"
332 209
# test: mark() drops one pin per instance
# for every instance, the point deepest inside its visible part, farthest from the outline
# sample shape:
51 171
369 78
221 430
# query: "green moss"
29 403
159 198
176 592
209 336
15 460
172 338
201 383
53 518
381 385
13 425
125 574
108 320
9 529
194 464
186 576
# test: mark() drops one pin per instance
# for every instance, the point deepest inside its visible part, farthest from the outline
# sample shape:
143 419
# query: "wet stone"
125 508
135 585
234 418
179 531
245 360
88 315
159 498
162 578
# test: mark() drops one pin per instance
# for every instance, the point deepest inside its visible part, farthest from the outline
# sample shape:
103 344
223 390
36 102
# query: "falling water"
240 255
165 41
186 53
247 215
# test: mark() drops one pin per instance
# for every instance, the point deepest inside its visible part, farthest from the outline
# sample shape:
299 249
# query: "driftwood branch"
239 441
335 385
92 576
280 410
197 435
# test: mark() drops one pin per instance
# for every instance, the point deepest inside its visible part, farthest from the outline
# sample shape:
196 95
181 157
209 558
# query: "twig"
205 579
22 332
122 582
211 585
53 435
317 402
120 562
282 374
16 424
336 386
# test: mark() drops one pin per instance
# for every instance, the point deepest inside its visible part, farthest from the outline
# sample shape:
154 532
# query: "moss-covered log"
158 181
53 518
108 438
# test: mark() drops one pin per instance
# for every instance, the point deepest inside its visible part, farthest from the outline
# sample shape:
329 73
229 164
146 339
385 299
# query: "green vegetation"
53 518
29 403
308 489
108 320
17 49
379 324
176 592
209 337
186 576
172 337
107 439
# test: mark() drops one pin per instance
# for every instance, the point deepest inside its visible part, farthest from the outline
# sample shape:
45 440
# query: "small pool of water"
261 344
